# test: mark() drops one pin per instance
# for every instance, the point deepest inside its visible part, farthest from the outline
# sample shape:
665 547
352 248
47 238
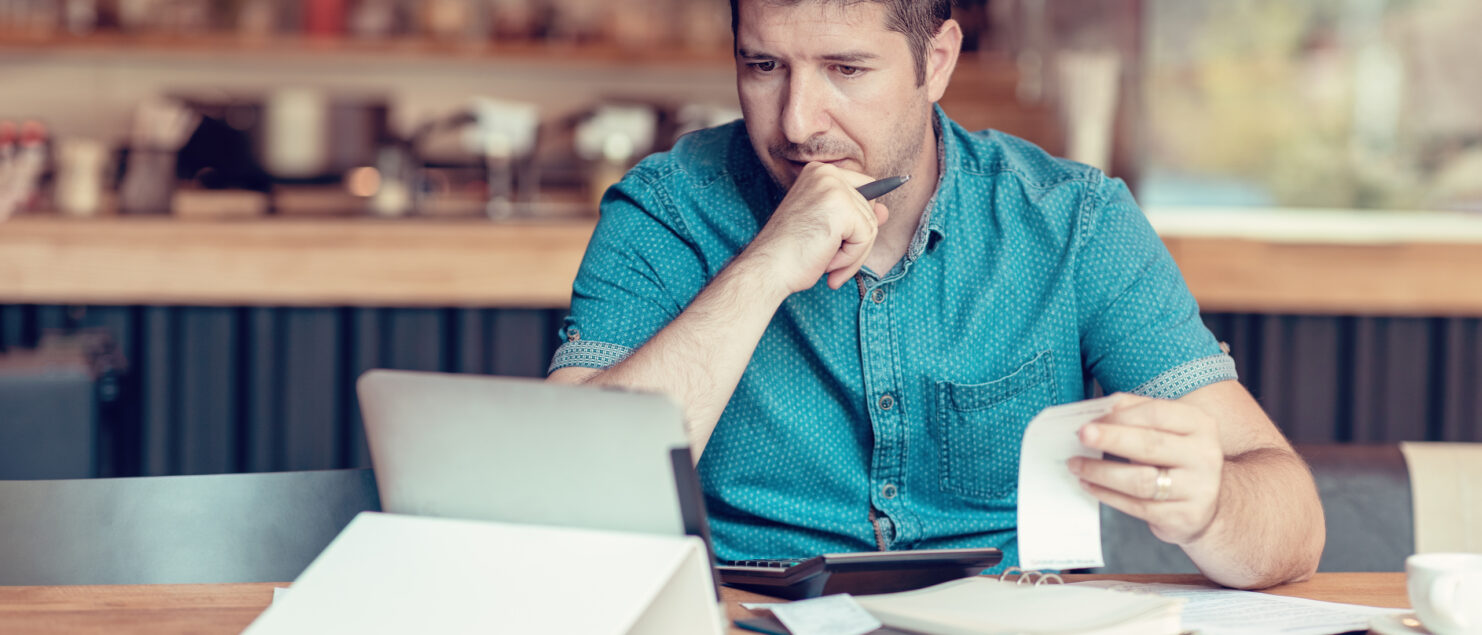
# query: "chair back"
1366 501
263 527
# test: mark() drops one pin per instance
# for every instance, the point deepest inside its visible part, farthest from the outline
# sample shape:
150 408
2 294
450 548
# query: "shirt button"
888 491
878 295
887 402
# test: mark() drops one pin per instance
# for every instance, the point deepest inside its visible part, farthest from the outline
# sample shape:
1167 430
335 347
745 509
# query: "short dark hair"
918 20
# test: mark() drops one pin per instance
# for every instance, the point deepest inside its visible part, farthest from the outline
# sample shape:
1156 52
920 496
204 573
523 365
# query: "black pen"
872 191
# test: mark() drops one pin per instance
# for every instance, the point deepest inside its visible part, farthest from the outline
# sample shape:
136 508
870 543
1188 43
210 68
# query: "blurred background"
219 212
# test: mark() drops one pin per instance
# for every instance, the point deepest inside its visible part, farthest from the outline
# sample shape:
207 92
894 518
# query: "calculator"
856 573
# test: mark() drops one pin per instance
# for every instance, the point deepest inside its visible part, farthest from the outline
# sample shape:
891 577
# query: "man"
858 375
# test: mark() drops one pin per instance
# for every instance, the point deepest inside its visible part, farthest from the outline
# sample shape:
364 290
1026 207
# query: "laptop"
527 451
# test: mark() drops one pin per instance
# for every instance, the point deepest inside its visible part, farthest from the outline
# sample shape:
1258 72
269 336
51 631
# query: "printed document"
1059 523
1212 611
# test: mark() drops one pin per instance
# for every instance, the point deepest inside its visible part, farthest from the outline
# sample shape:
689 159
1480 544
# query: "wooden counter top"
475 263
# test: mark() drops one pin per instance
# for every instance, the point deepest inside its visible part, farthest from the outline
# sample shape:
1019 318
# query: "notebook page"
982 604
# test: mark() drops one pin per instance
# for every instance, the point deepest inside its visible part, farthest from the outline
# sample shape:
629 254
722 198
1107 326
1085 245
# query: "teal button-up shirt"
889 414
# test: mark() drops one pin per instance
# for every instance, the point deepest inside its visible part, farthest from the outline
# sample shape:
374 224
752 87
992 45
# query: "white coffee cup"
1446 591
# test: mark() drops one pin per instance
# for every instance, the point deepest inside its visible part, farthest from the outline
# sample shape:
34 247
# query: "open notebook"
987 605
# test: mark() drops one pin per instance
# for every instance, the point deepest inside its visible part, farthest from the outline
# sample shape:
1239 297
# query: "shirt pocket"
982 427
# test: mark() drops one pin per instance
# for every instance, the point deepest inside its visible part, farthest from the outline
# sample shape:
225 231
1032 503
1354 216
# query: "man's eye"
849 71
765 67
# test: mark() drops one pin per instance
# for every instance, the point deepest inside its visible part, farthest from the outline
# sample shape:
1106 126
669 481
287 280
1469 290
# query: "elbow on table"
1282 561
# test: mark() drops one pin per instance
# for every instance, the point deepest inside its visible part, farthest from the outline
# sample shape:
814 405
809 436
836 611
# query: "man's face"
822 81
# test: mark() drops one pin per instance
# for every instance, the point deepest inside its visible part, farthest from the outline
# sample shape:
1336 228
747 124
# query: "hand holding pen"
876 189
825 226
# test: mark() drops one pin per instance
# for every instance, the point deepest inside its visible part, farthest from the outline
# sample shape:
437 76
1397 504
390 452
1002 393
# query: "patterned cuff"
1184 379
588 354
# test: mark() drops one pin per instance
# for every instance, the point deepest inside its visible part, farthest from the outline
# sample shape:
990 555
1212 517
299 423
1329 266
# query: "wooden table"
228 608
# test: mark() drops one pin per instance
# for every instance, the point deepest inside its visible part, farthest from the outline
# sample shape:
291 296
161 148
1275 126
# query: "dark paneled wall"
258 389
213 390
1326 379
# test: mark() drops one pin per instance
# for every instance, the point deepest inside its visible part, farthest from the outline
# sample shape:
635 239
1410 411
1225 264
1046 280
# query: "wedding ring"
1163 485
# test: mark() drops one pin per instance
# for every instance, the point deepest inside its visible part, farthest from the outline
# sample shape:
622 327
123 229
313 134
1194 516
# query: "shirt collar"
931 221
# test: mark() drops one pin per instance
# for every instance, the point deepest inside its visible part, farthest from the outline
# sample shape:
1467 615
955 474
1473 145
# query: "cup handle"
1443 593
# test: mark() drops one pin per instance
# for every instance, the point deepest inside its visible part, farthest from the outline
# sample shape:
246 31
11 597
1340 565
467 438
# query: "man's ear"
941 59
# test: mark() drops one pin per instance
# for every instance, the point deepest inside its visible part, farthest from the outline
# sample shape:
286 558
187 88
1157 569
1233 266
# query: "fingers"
1134 410
1143 445
852 253
857 236
1162 440
1134 480
823 226
846 263
1176 522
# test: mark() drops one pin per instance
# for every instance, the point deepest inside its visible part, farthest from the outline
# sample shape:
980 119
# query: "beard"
897 157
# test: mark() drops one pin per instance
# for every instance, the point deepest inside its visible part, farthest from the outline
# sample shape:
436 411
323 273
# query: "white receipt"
1229 612
1059 523
828 615
279 592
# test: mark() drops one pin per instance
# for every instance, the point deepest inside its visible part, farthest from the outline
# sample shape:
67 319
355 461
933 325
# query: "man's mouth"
797 165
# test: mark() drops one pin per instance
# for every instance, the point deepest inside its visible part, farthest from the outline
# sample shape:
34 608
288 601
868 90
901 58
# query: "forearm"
698 359
1268 528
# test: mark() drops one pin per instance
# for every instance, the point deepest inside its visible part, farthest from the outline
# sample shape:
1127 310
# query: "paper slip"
828 615
1059 523
1229 612
279 592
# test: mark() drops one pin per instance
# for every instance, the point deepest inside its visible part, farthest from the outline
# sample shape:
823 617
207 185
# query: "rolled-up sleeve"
1141 329
639 272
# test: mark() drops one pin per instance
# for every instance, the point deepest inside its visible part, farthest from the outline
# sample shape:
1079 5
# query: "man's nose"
805 110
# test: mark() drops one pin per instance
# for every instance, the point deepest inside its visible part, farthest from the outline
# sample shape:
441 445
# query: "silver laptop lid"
522 450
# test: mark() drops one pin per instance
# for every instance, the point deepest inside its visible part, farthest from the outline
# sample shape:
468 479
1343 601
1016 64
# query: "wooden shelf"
290 262
279 47
1245 275
482 264
1327 262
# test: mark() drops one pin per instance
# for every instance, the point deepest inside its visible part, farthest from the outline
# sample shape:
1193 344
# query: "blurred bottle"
9 135
612 139
134 15
392 195
514 20
21 173
295 134
160 129
257 20
81 168
504 136
456 21
324 18
578 21
80 16
374 19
